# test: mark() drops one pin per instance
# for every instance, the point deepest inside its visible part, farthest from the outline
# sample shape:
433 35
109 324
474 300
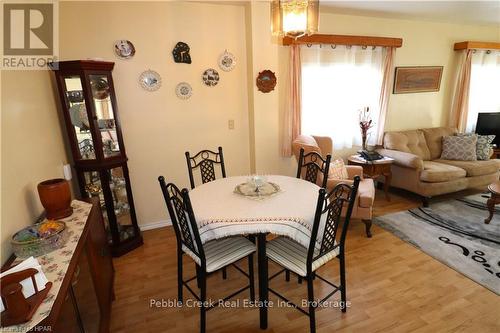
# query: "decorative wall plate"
210 77
183 90
227 61
150 80
266 81
124 49
181 53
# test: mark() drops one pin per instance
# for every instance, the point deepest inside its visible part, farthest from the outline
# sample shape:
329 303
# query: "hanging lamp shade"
294 18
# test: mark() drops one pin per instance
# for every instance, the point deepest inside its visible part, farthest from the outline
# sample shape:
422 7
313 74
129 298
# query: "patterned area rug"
454 233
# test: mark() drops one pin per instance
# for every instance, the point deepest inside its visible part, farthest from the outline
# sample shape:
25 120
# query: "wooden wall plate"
266 81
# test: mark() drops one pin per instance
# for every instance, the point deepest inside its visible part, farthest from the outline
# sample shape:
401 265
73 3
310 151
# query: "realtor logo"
28 29
28 34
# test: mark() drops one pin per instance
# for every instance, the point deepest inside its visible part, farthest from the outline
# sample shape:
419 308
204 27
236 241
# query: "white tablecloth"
220 212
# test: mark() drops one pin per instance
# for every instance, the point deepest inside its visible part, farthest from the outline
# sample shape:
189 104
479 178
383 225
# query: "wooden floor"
392 287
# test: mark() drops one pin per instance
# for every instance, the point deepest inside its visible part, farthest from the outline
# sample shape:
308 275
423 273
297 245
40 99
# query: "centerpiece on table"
257 187
365 123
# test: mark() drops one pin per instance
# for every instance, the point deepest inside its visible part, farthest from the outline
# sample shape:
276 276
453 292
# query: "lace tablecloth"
55 264
220 212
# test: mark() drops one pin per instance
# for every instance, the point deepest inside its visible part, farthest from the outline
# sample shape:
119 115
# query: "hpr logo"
28 29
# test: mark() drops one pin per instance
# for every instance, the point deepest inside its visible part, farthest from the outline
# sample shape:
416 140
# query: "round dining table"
221 212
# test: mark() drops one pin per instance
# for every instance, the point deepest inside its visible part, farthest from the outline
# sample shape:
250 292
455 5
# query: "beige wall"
32 147
158 127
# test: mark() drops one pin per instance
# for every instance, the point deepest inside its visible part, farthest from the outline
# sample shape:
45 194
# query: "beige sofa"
366 192
419 169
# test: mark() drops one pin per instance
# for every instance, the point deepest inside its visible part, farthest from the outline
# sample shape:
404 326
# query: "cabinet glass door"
79 117
99 84
118 187
95 186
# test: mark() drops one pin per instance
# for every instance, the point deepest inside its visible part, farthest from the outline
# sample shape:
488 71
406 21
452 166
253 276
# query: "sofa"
366 192
418 167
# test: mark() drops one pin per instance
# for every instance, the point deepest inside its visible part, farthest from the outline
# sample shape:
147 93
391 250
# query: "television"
489 123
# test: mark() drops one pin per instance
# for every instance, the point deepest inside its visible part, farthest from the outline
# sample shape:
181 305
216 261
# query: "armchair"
363 205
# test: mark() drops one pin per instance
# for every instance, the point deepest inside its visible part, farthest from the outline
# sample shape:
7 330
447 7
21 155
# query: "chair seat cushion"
222 252
293 256
366 190
475 168
366 193
435 172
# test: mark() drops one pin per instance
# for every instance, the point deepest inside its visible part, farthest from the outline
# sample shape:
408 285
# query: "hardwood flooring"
392 287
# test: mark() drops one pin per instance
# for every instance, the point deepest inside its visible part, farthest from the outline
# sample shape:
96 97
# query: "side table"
375 169
493 200
496 153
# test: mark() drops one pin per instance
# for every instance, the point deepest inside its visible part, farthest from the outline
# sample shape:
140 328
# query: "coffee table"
493 200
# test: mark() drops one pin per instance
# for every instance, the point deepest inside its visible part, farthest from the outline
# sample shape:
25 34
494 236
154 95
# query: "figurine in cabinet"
89 106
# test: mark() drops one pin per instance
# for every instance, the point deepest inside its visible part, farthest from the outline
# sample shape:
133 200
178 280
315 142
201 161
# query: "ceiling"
465 12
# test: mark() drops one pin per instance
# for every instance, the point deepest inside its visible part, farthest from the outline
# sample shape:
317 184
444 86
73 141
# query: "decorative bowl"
39 239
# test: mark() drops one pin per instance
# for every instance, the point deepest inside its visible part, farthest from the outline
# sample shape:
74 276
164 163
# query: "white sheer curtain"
336 83
484 94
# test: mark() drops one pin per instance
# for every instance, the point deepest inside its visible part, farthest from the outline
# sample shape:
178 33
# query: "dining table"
222 211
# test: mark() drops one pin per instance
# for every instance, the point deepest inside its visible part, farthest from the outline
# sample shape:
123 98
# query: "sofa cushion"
475 168
483 146
434 139
461 148
412 142
435 172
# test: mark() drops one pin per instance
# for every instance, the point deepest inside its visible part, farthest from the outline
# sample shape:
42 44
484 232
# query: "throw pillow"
483 146
338 170
460 148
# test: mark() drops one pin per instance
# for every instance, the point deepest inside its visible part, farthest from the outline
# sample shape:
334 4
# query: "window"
484 93
336 83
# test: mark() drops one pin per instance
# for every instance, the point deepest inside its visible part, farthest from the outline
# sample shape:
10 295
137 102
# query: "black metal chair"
205 160
209 257
314 165
305 261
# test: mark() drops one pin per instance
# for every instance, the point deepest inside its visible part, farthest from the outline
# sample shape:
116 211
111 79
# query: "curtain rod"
470 45
334 46
344 40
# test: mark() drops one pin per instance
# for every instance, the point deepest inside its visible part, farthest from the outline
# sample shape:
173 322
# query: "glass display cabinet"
93 129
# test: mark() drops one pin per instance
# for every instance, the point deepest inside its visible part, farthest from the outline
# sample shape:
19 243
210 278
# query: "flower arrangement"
365 123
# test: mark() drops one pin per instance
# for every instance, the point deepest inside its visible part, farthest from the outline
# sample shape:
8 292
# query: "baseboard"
155 225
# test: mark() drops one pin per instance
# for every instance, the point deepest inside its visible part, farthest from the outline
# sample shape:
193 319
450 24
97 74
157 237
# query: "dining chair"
205 160
323 247
312 165
363 206
209 257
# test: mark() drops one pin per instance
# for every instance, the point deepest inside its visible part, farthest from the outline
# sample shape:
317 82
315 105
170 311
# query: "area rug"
454 233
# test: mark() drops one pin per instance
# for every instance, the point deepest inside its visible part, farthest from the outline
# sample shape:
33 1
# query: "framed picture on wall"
417 79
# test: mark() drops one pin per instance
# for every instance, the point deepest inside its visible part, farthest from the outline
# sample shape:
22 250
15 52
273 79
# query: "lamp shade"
294 18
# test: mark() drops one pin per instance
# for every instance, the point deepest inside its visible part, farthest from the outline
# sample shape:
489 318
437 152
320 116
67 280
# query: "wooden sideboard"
83 303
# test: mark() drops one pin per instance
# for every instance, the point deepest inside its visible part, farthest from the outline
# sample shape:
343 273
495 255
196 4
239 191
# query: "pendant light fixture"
294 18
